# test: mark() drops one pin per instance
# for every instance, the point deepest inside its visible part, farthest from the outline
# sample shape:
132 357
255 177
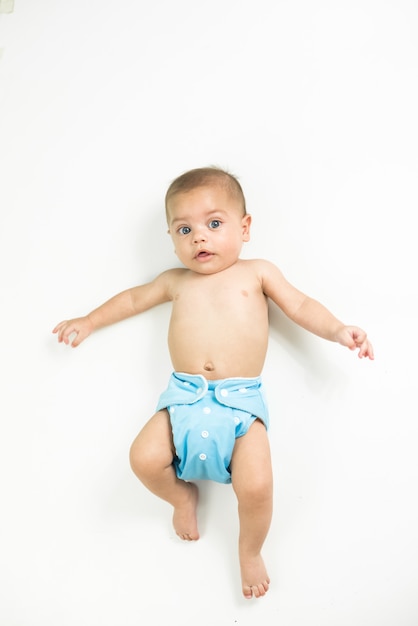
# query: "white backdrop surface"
313 105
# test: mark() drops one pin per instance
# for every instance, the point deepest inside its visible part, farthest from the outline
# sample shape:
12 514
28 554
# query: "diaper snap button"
202 457
205 434
224 393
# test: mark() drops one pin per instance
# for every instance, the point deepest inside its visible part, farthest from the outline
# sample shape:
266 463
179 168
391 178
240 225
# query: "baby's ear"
246 225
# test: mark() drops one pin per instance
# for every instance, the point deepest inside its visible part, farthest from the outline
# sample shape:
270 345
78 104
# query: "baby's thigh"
251 460
155 440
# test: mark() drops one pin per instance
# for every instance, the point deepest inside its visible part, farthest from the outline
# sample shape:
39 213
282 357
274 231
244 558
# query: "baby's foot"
255 580
185 516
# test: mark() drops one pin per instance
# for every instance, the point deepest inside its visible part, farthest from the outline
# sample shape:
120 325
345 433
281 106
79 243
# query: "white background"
313 104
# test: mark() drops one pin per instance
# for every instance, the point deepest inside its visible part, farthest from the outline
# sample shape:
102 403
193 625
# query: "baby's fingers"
63 331
58 326
58 330
366 350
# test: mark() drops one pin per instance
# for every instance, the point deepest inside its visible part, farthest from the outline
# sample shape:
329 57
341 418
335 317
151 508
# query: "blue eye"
214 224
184 230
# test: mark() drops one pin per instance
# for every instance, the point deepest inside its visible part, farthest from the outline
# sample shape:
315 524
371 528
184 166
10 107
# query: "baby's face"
208 228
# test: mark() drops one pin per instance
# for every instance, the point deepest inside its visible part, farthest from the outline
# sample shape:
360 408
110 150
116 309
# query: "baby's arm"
125 304
311 314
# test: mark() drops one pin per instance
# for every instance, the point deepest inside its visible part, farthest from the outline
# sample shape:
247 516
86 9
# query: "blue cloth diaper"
206 418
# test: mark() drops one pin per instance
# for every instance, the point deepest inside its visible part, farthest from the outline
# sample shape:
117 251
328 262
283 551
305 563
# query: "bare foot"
255 580
185 517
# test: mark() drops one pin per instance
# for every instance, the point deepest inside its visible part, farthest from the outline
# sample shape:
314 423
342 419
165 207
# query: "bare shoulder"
159 290
276 286
170 279
265 270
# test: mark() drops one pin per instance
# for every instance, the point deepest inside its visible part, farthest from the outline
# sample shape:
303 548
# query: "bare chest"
218 299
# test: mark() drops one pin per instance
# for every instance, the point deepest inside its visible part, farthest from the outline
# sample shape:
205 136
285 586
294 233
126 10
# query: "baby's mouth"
203 254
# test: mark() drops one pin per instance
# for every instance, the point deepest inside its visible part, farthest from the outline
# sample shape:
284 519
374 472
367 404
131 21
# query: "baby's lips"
203 253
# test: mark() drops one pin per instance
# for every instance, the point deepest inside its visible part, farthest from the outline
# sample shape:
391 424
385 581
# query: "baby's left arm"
311 314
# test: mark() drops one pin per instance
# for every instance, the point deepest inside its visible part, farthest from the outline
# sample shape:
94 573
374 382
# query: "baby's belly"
216 360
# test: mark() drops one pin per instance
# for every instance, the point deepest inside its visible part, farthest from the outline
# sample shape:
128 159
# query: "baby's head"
206 177
207 219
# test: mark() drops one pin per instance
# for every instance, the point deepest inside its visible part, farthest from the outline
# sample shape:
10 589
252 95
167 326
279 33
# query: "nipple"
209 366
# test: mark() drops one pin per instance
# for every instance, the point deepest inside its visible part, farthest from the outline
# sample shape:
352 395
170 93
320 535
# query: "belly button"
209 367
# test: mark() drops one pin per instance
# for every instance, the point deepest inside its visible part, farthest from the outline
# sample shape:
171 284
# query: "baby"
212 420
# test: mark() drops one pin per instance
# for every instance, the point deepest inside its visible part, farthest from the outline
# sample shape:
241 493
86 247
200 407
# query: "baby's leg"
253 484
151 458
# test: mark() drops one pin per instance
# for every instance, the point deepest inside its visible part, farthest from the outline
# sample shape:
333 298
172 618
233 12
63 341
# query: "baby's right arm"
125 304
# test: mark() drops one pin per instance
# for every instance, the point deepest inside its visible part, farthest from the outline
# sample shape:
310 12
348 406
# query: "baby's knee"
141 459
255 490
147 458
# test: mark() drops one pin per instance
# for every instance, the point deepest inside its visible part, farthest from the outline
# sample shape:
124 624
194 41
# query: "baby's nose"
199 236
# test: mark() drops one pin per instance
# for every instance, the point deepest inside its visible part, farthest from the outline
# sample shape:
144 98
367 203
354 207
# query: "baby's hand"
354 337
81 327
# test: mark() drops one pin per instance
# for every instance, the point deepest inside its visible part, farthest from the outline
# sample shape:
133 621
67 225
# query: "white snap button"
172 409
206 410
237 420
205 434
243 390
224 392
202 457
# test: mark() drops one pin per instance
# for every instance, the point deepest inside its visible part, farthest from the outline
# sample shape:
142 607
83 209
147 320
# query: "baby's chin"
209 267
